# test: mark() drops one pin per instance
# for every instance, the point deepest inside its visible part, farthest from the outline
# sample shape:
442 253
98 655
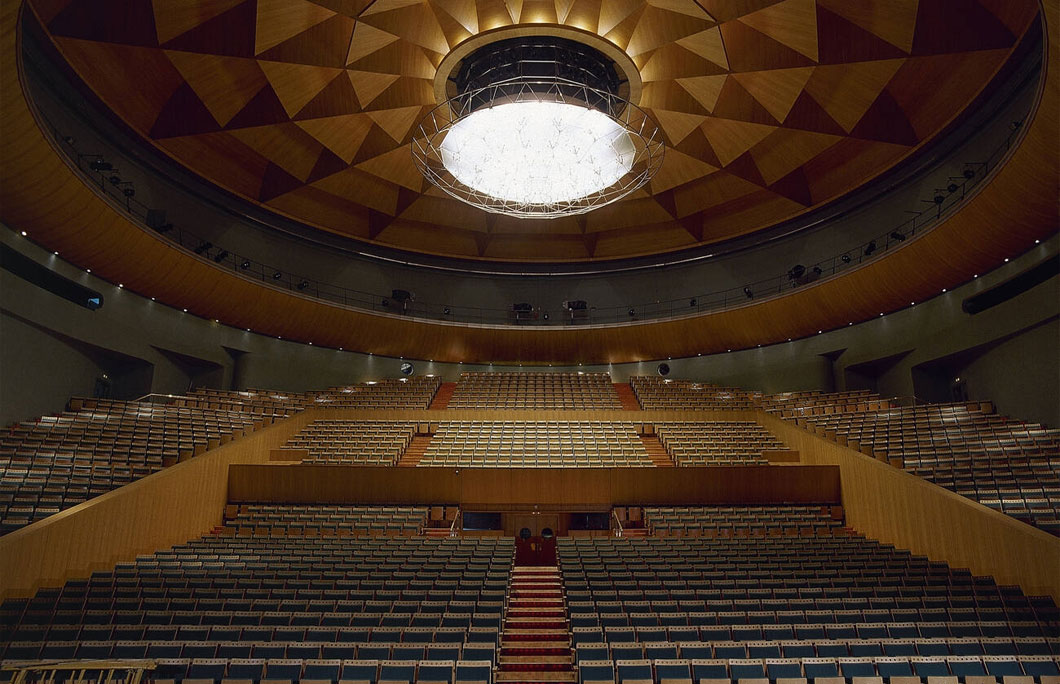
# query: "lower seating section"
529 391
1011 466
57 462
329 520
260 402
745 521
289 606
353 442
717 443
536 444
774 607
661 394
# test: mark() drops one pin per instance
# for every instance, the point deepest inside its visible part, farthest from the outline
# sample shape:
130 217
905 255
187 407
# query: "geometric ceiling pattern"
768 107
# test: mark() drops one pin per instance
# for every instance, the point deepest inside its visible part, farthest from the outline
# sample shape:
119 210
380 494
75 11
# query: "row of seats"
353 442
809 648
814 669
717 443
529 391
659 394
1005 464
719 521
536 443
132 650
295 670
56 462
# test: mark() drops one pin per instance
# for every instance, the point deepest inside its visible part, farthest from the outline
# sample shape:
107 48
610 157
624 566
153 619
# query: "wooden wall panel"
500 488
169 507
42 195
436 416
888 504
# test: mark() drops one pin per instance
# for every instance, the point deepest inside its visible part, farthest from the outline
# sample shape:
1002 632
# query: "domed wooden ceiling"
769 107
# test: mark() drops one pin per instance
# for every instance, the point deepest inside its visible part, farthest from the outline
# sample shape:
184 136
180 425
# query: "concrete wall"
1007 354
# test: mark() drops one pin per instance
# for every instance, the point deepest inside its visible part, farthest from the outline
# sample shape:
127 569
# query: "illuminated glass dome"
538 129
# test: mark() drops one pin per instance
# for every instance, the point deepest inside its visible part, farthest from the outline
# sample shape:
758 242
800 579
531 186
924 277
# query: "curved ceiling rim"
562 263
451 61
29 193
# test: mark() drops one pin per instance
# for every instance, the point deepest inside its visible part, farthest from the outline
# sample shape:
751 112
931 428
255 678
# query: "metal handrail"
108 183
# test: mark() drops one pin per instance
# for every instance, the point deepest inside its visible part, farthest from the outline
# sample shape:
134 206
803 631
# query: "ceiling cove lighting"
537 128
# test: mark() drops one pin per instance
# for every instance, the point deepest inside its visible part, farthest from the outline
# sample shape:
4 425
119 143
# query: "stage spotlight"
870 248
896 235
303 284
969 174
98 164
245 265
846 258
277 275
632 313
221 256
692 302
114 180
545 315
446 311
938 199
128 192
204 246
748 293
952 188
817 270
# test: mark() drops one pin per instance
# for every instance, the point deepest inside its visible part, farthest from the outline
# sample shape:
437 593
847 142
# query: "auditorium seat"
535 391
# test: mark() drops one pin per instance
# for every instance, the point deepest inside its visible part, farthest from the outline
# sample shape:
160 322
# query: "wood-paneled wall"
888 504
557 487
169 507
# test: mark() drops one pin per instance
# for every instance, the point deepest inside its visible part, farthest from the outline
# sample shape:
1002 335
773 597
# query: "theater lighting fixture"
538 127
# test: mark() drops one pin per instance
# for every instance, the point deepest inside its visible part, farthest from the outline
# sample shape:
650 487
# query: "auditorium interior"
530 342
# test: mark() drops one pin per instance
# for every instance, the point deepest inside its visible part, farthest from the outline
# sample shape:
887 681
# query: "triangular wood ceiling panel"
769 107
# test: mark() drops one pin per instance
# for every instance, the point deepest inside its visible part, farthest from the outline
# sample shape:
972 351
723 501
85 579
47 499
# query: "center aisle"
536 638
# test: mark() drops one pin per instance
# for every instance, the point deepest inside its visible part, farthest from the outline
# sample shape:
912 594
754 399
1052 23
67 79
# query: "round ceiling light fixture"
539 128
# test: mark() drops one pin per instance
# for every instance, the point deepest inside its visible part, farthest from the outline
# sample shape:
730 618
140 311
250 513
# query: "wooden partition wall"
575 488
449 415
890 505
169 507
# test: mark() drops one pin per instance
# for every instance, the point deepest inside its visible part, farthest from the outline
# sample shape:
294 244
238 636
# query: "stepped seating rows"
324 520
289 606
536 444
664 394
817 606
553 391
57 462
262 402
795 404
401 393
717 443
744 521
353 442
1010 466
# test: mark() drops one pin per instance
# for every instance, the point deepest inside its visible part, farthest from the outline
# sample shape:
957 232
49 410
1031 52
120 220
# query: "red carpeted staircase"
627 397
442 396
536 639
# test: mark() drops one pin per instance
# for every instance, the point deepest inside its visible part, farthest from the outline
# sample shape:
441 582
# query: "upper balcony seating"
536 444
353 442
655 393
1002 463
532 391
402 393
57 462
717 443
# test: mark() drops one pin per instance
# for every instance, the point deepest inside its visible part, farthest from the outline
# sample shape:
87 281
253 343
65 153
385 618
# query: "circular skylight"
537 152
